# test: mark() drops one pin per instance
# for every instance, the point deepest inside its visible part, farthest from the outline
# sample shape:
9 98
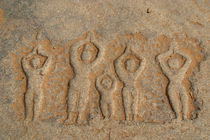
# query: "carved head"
89 53
106 82
131 63
35 62
176 61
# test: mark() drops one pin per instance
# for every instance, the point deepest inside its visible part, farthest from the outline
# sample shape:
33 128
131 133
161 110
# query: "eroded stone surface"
104 70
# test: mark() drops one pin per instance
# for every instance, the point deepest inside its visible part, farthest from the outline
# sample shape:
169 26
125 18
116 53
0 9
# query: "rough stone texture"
104 69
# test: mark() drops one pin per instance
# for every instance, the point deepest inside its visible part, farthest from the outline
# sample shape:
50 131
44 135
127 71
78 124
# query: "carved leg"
139 100
38 103
175 101
186 102
117 106
134 103
128 99
109 110
94 105
83 109
29 108
73 101
105 109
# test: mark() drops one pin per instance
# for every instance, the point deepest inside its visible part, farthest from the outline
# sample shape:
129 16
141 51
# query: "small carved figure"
129 67
106 85
83 59
175 71
35 65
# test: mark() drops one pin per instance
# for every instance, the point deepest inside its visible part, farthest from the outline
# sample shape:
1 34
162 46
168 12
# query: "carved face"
35 62
175 61
89 53
106 82
131 63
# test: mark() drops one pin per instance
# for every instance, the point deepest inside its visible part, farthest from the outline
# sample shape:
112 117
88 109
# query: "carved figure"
175 71
106 84
83 58
129 67
35 65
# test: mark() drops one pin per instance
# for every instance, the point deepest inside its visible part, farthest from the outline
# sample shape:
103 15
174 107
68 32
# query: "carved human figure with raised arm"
129 66
175 71
35 65
83 58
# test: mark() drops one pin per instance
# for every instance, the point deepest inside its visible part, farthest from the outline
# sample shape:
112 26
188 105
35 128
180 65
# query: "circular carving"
175 61
131 63
37 61
105 82
88 52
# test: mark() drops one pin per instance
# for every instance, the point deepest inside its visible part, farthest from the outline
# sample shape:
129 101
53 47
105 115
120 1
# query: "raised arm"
99 56
142 63
47 65
46 52
119 60
25 64
24 61
142 66
34 51
161 60
73 49
186 65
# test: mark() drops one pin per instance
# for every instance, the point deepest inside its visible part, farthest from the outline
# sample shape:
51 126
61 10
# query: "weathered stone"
104 69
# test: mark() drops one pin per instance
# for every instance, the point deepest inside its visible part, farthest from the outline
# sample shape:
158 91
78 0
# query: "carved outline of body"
176 92
80 105
106 103
129 90
34 85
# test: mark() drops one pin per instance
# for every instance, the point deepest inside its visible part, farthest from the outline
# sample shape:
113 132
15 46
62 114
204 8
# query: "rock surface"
104 70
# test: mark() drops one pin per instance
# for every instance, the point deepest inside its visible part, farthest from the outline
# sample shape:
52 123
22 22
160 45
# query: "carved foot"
72 119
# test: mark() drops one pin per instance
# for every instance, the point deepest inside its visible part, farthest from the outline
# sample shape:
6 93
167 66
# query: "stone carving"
177 64
84 56
129 66
55 85
175 71
148 102
35 66
129 79
106 84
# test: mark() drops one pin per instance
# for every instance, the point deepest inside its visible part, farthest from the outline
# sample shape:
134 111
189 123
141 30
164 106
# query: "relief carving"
178 64
129 66
106 84
84 56
35 65
132 78
175 70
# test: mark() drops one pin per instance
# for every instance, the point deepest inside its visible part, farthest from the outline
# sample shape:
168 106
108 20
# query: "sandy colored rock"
104 70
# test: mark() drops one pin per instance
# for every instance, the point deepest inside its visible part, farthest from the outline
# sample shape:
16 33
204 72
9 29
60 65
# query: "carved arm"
186 64
162 62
